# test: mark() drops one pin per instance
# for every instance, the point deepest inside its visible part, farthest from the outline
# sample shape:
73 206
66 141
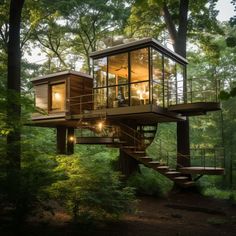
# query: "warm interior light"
57 96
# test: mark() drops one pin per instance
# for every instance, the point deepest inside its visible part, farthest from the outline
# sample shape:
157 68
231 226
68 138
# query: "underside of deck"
145 114
202 170
194 109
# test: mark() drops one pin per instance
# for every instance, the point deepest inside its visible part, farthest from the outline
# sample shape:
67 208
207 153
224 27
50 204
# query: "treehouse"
134 87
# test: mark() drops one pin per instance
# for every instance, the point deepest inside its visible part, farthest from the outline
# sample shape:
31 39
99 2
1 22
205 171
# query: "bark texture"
13 101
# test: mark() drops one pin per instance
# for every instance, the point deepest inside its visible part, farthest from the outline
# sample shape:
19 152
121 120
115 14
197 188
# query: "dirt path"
179 214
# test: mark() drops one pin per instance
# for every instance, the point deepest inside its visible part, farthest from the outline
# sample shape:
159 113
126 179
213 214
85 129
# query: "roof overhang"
147 42
61 73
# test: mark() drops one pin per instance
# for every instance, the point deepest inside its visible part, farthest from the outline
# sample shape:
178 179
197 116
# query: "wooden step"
138 152
145 159
162 168
181 178
188 184
172 173
154 163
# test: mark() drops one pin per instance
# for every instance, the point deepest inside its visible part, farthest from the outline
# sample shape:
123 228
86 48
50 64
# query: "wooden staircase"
134 143
179 178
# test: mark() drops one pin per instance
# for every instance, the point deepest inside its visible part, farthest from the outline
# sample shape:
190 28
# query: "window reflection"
170 79
157 77
118 96
58 97
100 72
139 93
100 98
118 69
139 65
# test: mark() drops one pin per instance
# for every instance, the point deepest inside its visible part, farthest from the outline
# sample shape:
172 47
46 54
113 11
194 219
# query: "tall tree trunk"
13 101
179 39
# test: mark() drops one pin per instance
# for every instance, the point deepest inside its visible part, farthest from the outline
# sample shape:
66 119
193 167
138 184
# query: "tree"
13 100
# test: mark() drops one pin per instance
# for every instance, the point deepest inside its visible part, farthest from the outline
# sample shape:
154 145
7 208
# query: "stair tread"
129 147
189 183
141 152
146 157
181 178
172 172
162 167
154 162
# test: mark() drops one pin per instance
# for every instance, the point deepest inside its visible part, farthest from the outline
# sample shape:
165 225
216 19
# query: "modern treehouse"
134 87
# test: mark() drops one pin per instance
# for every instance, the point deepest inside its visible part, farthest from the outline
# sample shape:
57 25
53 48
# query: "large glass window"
100 72
118 96
139 93
139 65
58 97
181 94
100 98
170 80
157 77
118 69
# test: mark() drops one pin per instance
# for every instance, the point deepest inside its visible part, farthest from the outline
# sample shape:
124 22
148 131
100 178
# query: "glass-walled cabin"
139 73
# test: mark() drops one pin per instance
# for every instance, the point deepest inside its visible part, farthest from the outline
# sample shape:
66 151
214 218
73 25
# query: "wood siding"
79 86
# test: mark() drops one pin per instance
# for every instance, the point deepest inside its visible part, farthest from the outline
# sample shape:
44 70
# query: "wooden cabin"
134 87
56 96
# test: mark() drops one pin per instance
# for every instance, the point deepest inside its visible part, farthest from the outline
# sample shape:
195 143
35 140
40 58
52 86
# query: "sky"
226 10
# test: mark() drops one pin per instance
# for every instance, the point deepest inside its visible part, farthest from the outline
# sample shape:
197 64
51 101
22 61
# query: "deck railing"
169 93
175 94
199 157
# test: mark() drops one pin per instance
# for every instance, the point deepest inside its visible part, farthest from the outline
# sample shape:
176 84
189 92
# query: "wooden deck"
202 170
193 109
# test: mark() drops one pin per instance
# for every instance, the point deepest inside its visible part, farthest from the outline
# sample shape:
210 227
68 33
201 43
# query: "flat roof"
67 72
137 45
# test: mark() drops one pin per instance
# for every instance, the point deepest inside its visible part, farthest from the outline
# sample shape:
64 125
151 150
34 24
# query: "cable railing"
199 157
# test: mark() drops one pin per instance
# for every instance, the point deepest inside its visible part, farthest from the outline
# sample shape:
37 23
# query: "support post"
70 140
127 165
61 140
183 145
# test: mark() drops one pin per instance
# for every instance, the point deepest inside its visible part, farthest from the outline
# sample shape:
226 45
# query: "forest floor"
178 214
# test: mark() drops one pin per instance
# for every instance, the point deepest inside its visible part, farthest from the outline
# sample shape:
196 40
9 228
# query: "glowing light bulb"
100 125
71 138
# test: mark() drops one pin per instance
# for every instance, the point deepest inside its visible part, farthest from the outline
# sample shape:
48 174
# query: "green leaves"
91 187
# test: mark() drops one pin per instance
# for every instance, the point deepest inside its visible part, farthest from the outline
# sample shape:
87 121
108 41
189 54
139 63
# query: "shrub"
90 189
150 182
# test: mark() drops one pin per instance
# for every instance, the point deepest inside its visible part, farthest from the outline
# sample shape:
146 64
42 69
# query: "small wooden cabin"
54 94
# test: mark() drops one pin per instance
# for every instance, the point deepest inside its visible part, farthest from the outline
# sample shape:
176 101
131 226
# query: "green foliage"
90 189
150 182
220 194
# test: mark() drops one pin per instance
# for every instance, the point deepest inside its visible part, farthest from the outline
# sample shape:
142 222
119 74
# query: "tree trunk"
179 39
13 101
